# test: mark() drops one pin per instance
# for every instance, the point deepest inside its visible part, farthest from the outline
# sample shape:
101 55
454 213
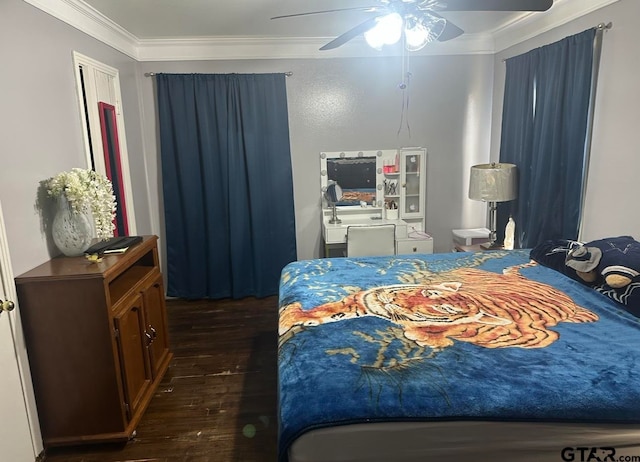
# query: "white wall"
41 131
610 208
355 104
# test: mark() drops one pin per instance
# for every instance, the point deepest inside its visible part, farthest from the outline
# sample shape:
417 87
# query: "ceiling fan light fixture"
374 39
426 25
387 31
416 35
420 31
435 25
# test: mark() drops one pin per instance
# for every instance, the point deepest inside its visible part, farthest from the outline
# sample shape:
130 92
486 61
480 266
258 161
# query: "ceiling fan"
418 20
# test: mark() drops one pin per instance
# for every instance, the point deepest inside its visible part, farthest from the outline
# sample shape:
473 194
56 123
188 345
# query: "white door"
20 439
98 83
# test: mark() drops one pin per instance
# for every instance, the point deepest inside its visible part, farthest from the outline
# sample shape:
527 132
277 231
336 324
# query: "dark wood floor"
217 401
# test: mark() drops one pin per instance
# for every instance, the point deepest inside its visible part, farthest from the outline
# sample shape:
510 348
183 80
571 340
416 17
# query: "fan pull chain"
404 86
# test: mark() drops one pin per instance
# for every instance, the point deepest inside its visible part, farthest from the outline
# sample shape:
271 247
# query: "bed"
465 356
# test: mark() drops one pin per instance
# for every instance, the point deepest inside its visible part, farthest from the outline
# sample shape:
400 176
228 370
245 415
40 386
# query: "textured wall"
355 104
41 132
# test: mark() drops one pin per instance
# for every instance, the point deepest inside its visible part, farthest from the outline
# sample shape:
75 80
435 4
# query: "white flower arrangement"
87 190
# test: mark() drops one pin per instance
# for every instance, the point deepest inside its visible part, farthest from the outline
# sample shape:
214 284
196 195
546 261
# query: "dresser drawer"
336 234
408 246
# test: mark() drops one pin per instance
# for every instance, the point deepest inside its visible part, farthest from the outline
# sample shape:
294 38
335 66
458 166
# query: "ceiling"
170 30
163 19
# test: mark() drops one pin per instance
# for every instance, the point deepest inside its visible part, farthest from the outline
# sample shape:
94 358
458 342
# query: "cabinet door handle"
154 334
149 338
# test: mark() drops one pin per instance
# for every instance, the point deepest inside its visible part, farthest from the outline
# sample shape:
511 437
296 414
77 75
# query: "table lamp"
492 183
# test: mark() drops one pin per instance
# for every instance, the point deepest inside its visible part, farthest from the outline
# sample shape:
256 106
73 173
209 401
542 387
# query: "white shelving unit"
405 185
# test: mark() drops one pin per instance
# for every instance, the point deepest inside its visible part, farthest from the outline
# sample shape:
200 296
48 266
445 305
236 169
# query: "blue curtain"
544 129
227 183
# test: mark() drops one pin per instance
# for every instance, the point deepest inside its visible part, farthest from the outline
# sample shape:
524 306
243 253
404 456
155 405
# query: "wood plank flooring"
217 401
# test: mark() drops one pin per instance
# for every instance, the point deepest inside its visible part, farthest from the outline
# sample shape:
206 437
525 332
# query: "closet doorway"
100 104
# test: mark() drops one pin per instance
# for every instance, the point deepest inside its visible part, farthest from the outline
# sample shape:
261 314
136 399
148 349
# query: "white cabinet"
405 182
409 246
413 183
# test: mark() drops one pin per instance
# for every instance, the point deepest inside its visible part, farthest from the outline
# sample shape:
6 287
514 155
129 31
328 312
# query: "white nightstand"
470 237
409 245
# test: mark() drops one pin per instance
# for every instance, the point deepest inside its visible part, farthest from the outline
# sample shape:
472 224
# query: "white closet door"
98 83
20 439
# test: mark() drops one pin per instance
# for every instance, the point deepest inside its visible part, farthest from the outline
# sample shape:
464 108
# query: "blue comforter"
460 336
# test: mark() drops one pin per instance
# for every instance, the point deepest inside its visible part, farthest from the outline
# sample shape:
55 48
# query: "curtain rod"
600 27
151 74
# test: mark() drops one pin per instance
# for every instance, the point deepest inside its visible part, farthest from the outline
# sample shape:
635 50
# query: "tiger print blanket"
486 336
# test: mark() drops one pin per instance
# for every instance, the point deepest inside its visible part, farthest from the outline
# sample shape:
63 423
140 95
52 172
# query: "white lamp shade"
493 182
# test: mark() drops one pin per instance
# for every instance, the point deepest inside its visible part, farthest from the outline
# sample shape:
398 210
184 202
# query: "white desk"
335 235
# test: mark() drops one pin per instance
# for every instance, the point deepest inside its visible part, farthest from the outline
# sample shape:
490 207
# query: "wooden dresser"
97 342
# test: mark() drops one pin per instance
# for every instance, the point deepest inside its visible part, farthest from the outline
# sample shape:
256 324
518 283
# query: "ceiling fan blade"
350 34
450 31
355 8
496 5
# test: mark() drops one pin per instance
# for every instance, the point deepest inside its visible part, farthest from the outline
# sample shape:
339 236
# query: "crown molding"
85 18
286 48
533 24
90 21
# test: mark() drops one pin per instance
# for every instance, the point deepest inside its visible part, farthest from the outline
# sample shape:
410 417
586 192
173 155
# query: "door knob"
7 305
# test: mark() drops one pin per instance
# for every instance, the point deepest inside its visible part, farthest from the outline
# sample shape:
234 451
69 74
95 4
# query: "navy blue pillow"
629 295
620 255
553 253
